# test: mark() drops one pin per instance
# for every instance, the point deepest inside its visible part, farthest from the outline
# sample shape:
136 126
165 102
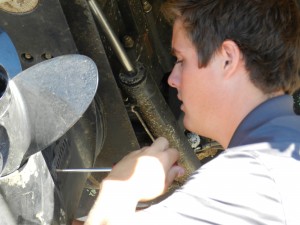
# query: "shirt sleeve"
234 188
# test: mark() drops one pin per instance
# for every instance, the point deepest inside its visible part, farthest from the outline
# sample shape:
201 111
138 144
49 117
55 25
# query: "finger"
169 157
143 149
132 153
160 144
173 173
77 222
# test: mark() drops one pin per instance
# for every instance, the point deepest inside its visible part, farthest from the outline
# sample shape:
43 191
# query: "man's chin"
188 123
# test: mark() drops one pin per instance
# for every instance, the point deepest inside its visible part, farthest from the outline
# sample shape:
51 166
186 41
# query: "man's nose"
173 79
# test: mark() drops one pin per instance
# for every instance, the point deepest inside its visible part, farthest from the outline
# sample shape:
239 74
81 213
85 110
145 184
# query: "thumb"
174 172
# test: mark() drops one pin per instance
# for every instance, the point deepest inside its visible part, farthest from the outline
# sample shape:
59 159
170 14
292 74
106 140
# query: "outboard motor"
39 109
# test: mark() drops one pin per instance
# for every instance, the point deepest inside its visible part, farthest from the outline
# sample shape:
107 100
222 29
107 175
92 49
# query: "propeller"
40 104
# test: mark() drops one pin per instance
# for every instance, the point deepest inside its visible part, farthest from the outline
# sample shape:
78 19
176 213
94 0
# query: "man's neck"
244 103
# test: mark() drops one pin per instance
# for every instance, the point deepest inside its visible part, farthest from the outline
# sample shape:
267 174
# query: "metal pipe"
154 110
142 122
85 170
116 45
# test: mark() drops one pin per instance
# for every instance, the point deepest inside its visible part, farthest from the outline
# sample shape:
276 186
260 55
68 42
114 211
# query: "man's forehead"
180 40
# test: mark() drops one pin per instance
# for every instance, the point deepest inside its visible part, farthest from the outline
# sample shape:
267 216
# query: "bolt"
47 55
193 139
128 41
147 6
28 56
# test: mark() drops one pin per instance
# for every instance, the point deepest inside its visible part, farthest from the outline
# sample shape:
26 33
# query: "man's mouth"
179 98
181 105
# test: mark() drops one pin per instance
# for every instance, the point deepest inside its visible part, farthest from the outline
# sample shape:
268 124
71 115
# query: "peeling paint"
62 217
40 217
21 178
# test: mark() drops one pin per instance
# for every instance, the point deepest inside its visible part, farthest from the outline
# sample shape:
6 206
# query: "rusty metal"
146 6
142 90
128 41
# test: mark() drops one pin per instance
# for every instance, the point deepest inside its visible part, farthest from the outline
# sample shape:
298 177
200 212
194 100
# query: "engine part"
85 170
120 52
143 90
119 137
29 196
39 33
154 110
142 122
161 51
43 103
117 142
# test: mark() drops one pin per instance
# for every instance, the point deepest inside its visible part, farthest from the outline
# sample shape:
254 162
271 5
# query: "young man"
237 61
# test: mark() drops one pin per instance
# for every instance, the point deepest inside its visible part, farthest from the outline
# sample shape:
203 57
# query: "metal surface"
162 52
40 33
9 58
85 170
46 101
120 52
28 196
5 213
119 136
142 89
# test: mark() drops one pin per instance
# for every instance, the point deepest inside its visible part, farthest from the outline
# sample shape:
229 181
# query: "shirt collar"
263 113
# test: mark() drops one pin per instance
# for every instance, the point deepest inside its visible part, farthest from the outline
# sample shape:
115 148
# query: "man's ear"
232 57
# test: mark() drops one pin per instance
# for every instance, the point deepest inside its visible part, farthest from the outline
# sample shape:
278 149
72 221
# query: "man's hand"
149 171
141 175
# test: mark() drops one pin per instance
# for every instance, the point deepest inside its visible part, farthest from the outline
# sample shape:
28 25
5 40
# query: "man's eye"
178 61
